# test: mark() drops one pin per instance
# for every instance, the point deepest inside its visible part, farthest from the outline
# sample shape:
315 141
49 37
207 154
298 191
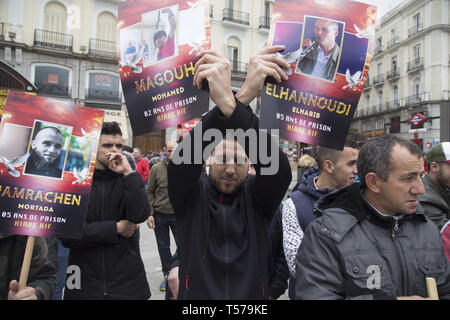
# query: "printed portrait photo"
320 48
160 38
48 149
132 47
79 157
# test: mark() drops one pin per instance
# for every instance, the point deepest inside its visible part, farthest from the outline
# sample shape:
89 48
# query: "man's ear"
373 182
328 166
33 144
434 167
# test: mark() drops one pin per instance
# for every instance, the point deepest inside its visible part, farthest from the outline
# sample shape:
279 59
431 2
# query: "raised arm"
273 172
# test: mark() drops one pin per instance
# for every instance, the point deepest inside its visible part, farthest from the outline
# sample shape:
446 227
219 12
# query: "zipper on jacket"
394 229
185 295
105 294
262 287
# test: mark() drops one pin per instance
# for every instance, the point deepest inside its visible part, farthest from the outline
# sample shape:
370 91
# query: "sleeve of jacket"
151 188
42 274
136 202
434 213
292 234
443 282
273 172
279 270
318 270
145 170
98 233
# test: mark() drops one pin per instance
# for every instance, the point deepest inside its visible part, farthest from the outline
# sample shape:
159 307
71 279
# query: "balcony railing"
378 50
55 90
2 31
236 16
416 64
378 79
392 42
53 40
377 108
102 47
368 84
238 68
264 22
415 30
445 95
392 105
99 94
414 99
392 74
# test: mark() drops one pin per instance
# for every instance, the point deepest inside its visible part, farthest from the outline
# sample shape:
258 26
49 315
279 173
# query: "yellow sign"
3 96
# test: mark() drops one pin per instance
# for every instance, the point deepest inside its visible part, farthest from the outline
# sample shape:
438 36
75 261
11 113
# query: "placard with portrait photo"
47 156
328 46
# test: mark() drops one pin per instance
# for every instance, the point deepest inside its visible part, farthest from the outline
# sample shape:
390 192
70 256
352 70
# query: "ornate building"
409 75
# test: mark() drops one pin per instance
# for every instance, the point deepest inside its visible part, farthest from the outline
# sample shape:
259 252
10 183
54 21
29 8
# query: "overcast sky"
384 6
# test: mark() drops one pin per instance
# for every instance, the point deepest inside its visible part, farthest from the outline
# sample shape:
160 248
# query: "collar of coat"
351 200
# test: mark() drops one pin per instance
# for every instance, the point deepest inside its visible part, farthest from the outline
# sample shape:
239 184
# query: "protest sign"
328 45
48 150
159 42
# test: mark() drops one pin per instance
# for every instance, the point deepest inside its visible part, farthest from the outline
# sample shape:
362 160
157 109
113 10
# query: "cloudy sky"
384 6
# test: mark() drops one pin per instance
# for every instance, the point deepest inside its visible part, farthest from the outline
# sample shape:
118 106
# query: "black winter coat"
224 239
111 265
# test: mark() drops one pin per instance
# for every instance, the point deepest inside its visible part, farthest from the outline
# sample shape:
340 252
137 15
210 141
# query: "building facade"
67 49
409 75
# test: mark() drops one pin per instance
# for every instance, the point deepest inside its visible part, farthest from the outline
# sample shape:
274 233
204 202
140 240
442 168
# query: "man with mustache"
45 153
372 239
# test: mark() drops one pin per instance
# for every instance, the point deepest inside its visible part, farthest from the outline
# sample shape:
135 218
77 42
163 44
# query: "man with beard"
436 200
45 153
223 219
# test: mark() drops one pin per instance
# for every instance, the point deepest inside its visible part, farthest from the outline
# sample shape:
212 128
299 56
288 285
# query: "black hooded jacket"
110 265
224 239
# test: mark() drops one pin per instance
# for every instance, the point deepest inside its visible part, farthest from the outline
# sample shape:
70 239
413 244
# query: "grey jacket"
353 252
435 202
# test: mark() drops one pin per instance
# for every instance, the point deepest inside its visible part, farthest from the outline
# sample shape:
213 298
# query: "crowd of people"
361 223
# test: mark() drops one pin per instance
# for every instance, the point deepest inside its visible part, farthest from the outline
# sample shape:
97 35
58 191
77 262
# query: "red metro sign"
417 119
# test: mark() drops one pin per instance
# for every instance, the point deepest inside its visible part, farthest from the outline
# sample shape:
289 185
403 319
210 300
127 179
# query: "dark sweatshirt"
223 247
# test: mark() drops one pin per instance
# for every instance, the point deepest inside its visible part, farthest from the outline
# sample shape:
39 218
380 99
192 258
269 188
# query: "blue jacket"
304 198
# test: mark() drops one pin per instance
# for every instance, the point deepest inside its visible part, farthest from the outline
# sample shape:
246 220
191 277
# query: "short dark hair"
111 128
159 34
359 138
127 148
333 155
376 155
